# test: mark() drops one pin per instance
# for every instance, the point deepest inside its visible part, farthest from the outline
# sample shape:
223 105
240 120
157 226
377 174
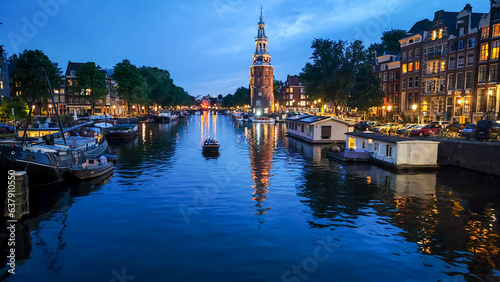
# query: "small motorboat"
92 168
211 146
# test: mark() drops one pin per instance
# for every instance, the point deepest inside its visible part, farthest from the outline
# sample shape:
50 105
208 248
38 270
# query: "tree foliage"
20 108
240 98
389 42
132 87
90 78
29 75
365 91
276 85
332 72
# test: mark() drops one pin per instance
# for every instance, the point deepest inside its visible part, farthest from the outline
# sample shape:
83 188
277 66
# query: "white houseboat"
395 151
317 129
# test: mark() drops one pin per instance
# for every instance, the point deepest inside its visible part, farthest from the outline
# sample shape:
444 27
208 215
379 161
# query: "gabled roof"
420 27
72 66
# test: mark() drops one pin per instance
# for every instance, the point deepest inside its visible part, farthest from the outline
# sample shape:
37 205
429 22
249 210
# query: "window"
405 68
453 47
404 56
462 31
461 60
410 54
481 100
460 81
416 81
389 151
396 75
496 30
468 80
404 82
257 103
451 81
452 62
1 84
495 47
461 45
291 96
410 82
260 93
417 66
445 47
440 33
410 67
482 74
430 51
443 66
383 67
302 96
417 52
471 43
385 88
391 88
484 52
485 32
396 87
470 58
385 76
437 50
434 34
391 75
493 73
291 89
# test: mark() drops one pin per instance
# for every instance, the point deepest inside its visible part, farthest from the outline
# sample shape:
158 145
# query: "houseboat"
394 151
165 116
318 129
92 168
262 120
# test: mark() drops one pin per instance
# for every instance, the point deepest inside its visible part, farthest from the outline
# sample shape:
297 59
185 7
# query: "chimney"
439 15
468 7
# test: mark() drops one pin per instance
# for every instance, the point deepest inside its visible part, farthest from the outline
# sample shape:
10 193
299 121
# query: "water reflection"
261 144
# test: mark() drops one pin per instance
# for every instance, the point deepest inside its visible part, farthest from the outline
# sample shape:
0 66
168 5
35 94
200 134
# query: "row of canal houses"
447 68
67 98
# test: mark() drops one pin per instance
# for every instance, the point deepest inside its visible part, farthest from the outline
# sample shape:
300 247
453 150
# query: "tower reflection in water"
262 139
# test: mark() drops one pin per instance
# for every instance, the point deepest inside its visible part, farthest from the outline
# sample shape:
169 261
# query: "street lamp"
413 107
50 108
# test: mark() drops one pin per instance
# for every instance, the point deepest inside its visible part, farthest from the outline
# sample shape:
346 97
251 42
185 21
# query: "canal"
268 208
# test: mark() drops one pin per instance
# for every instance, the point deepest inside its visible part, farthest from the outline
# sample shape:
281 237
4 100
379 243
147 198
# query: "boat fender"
12 152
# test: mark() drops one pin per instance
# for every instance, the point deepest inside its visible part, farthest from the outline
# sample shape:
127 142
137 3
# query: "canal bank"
483 157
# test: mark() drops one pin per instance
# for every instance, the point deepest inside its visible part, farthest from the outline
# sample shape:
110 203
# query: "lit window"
434 34
417 66
440 33
495 47
405 68
496 30
410 67
484 52
443 66
1 84
485 32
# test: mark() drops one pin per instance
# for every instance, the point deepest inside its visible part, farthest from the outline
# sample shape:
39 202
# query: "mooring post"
17 200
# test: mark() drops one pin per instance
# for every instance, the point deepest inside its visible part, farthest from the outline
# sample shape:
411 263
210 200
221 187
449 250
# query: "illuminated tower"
261 74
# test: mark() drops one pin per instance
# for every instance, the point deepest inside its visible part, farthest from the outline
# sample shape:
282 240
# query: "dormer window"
485 32
440 35
434 34
72 72
462 31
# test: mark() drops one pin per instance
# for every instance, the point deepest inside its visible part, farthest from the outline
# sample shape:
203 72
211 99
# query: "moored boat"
122 132
91 168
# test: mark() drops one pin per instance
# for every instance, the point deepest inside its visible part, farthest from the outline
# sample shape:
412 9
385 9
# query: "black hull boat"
92 168
49 164
122 132
211 147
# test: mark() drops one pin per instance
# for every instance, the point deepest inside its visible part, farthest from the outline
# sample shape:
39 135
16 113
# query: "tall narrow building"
261 74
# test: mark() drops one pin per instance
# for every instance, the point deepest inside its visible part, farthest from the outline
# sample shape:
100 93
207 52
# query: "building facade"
4 74
293 96
387 67
261 74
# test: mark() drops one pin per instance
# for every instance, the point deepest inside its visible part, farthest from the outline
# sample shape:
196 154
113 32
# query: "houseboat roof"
308 119
388 138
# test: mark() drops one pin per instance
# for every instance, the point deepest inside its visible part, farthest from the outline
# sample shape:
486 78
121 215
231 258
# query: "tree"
365 92
390 42
90 78
276 85
331 74
132 86
20 108
160 85
29 76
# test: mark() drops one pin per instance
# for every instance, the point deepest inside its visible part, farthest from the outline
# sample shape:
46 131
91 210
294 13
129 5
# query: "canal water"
268 208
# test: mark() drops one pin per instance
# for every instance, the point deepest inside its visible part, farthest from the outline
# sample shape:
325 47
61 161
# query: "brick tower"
261 75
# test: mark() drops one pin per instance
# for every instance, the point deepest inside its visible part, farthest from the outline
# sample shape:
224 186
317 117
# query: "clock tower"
261 74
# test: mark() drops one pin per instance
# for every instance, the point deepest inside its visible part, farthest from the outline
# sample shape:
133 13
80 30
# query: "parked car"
426 130
487 129
453 129
6 128
362 125
443 124
469 131
406 129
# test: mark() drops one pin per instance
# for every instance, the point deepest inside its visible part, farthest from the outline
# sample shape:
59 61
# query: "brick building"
387 67
292 95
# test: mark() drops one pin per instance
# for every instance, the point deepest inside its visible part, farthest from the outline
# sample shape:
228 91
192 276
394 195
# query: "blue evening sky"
206 46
